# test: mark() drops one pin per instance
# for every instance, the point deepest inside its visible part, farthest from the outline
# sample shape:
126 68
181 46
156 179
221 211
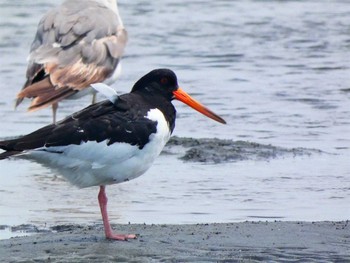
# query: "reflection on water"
277 71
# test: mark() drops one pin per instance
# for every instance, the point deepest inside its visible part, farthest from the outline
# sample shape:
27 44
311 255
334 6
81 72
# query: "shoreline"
218 242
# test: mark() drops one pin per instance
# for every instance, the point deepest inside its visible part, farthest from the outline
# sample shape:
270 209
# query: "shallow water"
277 71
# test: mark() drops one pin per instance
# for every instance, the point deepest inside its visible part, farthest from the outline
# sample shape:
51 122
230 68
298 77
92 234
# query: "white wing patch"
56 45
106 90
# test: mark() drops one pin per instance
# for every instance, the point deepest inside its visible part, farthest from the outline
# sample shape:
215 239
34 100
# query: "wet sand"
231 242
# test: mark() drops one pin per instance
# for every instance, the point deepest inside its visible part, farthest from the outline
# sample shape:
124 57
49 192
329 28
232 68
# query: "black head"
164 82
158 81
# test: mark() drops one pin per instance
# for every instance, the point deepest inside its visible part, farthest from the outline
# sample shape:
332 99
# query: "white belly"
93 163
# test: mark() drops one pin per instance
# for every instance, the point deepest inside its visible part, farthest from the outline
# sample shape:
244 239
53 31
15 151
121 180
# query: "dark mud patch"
213 150
24 229
228 242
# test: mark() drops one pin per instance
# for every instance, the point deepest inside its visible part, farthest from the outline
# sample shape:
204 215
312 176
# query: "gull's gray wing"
76 44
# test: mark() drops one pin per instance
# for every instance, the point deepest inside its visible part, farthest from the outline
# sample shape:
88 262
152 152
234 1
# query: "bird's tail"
44 94
7 154
8 150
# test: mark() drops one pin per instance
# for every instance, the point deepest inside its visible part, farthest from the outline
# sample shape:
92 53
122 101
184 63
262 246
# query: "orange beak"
185 98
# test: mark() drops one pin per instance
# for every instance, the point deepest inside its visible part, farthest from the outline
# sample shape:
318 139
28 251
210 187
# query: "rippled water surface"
277 71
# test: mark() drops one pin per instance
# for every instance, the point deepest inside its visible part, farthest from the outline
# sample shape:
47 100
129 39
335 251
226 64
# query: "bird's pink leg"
102 199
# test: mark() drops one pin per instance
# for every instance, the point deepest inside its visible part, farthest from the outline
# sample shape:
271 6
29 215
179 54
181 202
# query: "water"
277 71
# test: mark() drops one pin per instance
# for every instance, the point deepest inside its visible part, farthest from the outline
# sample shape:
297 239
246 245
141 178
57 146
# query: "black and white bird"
112 141
76 44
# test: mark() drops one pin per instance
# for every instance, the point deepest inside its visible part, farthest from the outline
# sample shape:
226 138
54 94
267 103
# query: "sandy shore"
231 242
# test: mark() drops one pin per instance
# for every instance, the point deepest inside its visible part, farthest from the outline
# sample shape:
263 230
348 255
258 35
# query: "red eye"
164 80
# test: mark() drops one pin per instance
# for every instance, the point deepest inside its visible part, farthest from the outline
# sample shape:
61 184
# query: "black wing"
122 121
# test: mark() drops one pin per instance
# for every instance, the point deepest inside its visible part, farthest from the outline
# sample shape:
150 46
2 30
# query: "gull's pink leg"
54 112
102 199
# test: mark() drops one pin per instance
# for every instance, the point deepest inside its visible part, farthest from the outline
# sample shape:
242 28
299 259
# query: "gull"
76 44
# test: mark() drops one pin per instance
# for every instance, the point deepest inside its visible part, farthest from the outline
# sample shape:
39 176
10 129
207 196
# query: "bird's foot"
120 237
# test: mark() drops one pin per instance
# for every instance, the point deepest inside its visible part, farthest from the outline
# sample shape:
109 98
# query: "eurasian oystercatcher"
112 141
76 44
